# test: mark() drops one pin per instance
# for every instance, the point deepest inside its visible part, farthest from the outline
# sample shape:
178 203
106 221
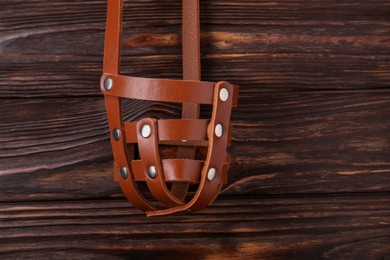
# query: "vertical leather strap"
191 40
114 114
112 42
191 71
148 150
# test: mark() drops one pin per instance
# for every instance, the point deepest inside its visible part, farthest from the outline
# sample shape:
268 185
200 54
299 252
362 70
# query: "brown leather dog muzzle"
167 180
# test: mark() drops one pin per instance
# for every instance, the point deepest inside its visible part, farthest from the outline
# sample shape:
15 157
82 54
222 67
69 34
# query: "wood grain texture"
282 144
252 228
310 157
56 49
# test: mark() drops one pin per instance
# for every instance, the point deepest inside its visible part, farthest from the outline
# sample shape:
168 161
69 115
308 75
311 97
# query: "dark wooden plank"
355 227
282 144
54 48
310 160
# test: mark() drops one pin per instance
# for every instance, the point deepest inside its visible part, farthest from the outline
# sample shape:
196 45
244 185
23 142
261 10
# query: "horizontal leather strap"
175 170
200 143
178 170
173 130
165 90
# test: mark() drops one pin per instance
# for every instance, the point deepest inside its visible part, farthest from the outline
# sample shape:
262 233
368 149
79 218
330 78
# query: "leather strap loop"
209 189
148 150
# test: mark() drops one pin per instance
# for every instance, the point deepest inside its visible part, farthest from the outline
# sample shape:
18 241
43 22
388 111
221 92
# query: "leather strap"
113 106
191 71
186 133
174 170
209 189
148 150
173 130
162 90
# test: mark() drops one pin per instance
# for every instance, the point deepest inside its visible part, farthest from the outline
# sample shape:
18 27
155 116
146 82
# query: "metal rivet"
116 134
108 83
146 131
152 172
212 174
124 172
219 130
224 94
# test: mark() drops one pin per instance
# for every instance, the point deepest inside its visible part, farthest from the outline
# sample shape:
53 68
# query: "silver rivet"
146 131
212 174
124 172
108 83
152 172
116 134
224 94
219 130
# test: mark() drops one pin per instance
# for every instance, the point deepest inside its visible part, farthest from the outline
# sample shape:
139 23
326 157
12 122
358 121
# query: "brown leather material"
173 130
163 90
113 105
174 170
216 156
183 132
191 40
177 170
148 150
191 71
136 152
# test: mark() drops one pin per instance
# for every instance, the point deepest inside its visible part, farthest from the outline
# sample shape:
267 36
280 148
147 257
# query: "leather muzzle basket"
168 180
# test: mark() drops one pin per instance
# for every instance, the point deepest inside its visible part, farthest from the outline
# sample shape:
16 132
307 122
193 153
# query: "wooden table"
310 155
